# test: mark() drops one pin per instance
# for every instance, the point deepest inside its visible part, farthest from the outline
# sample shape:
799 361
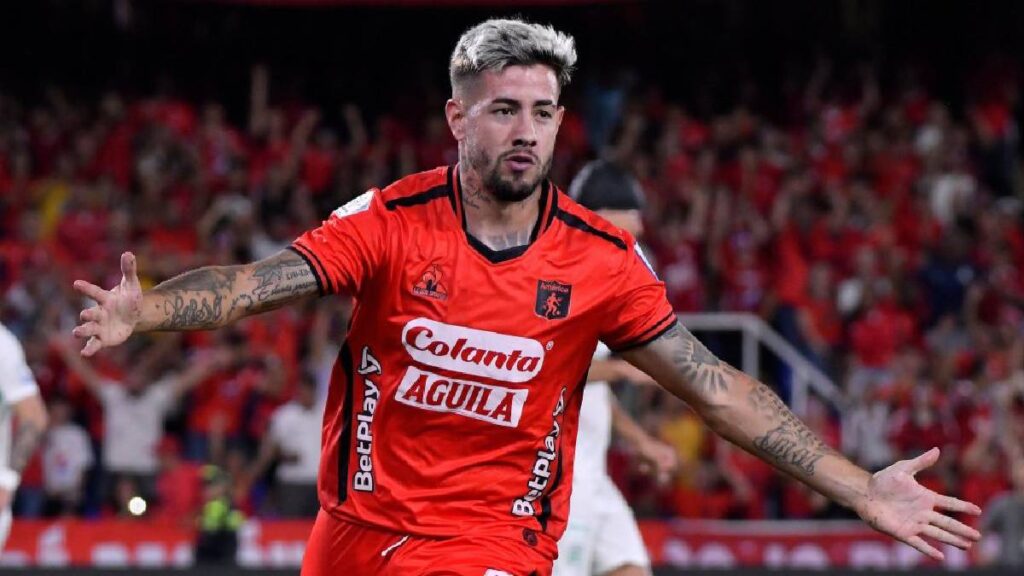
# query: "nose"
525 135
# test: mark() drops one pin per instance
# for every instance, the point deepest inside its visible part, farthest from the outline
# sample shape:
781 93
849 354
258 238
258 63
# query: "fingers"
923 461
953 526
94 314
92 346
956 505
92 291
128 270
925 548
87 330
936 533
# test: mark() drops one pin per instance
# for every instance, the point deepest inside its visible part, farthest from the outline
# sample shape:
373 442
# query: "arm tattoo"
790 443
281 279
701 369
26 438
214 296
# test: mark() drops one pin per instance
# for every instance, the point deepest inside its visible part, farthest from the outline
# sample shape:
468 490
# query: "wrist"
9 479
858 496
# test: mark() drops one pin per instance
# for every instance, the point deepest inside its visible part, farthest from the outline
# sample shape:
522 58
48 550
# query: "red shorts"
340 548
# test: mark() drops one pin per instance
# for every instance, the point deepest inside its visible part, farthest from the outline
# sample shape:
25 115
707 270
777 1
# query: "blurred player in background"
19 398
481 294
602 536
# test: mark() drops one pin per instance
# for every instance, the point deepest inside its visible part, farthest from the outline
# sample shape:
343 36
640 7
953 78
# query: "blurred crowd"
878 230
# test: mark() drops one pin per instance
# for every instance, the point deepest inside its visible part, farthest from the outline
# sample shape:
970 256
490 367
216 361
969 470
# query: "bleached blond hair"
498 43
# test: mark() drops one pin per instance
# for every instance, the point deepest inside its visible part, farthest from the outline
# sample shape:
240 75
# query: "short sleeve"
348 247
16 379
638 310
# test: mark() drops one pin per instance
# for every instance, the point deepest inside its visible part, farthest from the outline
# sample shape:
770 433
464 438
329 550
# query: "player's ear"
455 112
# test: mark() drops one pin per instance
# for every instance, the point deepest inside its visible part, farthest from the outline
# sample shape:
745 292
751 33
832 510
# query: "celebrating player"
481 292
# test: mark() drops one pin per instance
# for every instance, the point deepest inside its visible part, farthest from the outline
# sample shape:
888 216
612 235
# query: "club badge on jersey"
553 299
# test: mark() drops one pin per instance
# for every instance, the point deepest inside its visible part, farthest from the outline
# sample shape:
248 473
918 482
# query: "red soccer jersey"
453 404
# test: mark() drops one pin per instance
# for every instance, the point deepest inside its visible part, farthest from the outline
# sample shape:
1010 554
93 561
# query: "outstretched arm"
200 299
747 413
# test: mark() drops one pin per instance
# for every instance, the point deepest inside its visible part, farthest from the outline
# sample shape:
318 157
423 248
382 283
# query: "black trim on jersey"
499 256
646 341
495 256
554 209
345 439
540 213
575 221
451 189
643 335
312 268
328 284
418 198
545 501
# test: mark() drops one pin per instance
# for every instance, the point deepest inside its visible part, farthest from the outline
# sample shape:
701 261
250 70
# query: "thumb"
923 461
128 270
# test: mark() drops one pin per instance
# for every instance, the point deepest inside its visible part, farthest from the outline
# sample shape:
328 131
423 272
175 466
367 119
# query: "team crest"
553 299
431 284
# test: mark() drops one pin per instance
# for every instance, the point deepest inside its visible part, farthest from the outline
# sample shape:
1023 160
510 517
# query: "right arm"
200 299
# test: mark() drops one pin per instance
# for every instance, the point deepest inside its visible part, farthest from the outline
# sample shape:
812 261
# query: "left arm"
749 414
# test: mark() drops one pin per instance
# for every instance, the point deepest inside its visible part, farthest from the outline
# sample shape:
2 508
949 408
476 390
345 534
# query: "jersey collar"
548 203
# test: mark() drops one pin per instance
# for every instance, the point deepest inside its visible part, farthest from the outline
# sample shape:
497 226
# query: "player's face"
507 122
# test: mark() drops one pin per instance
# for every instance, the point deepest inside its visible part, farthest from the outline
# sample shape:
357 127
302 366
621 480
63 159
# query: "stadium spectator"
1004 518
133 413
67 455
291 439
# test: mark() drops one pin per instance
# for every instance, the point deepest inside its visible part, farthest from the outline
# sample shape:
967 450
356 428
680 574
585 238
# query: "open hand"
900 507
113 319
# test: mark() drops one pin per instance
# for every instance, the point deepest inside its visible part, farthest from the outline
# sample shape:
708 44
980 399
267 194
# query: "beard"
506 189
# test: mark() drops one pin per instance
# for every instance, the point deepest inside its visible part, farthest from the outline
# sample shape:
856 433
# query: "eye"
504 111
544 114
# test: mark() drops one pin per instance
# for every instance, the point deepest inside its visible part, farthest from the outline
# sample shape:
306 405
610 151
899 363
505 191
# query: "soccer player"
481 291
19 396
602 536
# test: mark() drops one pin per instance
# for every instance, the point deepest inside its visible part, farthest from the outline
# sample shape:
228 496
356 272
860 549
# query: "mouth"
520 161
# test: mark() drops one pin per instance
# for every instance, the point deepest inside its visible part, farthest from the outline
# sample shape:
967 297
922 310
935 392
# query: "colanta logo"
470 351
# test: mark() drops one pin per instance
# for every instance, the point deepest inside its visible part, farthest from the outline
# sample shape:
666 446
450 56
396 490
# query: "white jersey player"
22 422
602 537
